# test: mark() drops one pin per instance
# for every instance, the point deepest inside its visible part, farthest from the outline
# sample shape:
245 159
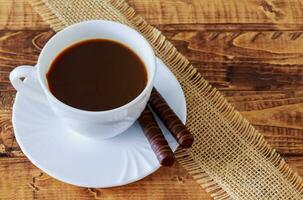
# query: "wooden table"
252 50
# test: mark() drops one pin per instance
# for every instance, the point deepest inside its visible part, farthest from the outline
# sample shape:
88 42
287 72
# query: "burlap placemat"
230 159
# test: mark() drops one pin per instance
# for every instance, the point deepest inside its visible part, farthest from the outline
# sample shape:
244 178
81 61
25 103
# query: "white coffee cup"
94 124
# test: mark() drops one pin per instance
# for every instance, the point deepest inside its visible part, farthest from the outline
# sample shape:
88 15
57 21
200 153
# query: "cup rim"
123 107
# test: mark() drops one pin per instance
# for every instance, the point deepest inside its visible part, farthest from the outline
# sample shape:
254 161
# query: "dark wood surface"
251 50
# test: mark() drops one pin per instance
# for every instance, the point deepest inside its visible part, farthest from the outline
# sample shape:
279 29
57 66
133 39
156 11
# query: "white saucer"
74 159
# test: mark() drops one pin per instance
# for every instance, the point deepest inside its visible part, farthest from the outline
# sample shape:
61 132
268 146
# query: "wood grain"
19 48
21 180
251 50
18 15
220 11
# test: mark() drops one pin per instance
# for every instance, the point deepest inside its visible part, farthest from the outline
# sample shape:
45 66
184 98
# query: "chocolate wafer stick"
170 119
155 137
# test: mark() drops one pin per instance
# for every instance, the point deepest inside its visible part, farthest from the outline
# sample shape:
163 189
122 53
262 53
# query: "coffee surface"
96 75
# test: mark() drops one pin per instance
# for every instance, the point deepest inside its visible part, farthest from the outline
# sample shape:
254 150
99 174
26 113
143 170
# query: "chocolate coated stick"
155 137
170 119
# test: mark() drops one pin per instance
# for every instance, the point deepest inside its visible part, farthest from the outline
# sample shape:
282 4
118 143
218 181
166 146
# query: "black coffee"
97 75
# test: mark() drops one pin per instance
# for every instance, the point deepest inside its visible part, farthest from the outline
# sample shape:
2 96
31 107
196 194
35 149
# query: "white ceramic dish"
78 160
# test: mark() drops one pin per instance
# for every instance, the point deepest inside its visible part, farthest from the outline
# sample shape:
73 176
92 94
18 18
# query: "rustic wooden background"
252 50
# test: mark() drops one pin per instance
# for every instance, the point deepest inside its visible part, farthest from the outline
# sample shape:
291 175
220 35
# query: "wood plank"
226 27
220 11
244 60
21 180
19 15
260 81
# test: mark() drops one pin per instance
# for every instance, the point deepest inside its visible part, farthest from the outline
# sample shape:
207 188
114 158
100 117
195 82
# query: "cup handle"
25 71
